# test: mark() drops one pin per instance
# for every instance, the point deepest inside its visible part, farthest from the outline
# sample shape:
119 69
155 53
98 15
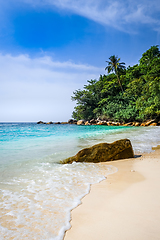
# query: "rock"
149 122
115 124
128 124
136 124
99 119
103 152
87 123
102 123
64 122
40 122
153 124
93 121
57 123
143 125
72 121
49 123
81 122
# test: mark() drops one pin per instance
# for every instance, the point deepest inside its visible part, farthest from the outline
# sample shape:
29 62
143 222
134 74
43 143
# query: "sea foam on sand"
124 206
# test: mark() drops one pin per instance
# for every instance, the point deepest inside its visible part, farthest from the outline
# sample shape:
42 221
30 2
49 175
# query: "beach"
124 206
39 196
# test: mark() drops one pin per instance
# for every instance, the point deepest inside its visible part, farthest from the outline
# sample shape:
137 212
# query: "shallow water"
36 192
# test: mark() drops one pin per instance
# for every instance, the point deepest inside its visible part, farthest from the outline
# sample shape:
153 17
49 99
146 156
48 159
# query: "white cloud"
40 88
122 14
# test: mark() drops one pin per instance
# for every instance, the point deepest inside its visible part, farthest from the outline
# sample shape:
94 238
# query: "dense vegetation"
131 94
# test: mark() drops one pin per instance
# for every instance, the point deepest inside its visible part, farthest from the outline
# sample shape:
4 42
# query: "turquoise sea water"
36 192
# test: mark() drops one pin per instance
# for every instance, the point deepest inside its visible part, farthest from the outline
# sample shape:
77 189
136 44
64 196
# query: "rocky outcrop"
153 122
128 124
49 122
103 152
81 122
41 122
93 121
136 124
87 123
102 123
72 121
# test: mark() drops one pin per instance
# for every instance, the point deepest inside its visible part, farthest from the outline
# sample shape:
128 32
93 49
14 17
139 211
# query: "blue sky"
49 48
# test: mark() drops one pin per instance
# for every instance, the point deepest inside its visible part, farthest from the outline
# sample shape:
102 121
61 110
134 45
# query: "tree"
150 55
115 66
139 99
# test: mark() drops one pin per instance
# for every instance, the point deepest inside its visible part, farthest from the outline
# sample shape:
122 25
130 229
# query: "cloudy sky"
49 48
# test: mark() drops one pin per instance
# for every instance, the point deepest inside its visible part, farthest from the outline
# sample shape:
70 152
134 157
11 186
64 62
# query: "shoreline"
126 205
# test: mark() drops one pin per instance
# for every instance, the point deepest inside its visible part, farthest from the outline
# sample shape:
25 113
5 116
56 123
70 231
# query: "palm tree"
114 66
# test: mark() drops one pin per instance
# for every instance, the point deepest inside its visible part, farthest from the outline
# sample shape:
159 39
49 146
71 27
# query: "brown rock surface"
128 124
103 152
49 123
143 125
41 122
81 122
72 121
93 121
149 122
137 124
154 124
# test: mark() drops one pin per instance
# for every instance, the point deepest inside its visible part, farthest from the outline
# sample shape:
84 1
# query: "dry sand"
125 206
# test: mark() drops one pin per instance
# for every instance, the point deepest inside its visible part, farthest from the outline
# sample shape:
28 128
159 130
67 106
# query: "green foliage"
115 66
139 100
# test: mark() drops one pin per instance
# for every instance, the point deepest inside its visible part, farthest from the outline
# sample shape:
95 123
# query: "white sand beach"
124 206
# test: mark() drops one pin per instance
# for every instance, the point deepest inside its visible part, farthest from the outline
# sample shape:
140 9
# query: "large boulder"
103 152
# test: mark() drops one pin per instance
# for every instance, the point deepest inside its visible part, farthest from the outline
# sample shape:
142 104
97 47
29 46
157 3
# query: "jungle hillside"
122 94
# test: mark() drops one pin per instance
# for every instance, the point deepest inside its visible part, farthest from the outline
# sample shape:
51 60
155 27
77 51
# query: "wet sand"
124 206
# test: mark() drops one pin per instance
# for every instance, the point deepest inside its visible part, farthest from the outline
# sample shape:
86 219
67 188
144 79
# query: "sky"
50 48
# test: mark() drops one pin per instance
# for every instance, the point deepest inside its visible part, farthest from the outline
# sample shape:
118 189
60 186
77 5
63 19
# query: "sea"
37 192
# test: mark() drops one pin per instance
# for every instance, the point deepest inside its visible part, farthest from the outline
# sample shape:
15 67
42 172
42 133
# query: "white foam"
42 208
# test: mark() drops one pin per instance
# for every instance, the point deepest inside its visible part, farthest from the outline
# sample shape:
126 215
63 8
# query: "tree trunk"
119 82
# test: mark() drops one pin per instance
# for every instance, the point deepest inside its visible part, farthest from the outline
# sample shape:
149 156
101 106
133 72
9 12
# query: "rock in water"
41 122
103 152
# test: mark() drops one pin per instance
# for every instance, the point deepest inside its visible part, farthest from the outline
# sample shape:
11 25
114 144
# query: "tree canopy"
115 66
134 97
